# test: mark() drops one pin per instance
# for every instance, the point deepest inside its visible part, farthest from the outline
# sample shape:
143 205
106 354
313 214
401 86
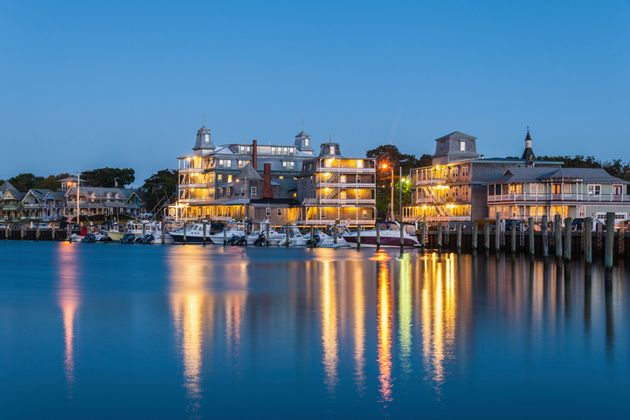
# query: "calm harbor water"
90 331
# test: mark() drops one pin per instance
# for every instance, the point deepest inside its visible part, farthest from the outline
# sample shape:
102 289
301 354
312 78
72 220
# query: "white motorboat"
389 237
324 240
296 239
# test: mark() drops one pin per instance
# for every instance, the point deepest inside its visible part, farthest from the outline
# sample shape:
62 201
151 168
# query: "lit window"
462 145
253 191
306 141
229 178
332 150
359 163
219 177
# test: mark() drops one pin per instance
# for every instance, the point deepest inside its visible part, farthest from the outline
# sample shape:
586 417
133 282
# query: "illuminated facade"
223 182
336 189
454 187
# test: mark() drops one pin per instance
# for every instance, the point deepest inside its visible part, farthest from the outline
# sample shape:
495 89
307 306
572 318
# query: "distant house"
46 205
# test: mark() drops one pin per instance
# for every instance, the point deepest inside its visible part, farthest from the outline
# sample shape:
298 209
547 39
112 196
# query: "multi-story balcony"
191 170
348 170
616 198
350 185
191 185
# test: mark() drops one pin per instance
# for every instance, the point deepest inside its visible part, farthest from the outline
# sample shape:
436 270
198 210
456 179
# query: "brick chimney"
267 190
255 154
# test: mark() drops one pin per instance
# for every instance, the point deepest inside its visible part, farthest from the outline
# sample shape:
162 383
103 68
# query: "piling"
205 231
402 236
286 230
358 237
545 235
513 238
144 229
163 239
334 233
37 233
497 233
312 236
622 238
568 224
184 232
53 230
486 236
557 234
588 240
22 231
378 236
610 239
521 230
475 233
439 237
268 233
530 236
459 237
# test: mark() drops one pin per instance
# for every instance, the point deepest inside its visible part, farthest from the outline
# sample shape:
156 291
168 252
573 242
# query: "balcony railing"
362 222
604 198
191 170
347 201
348 170
346 185
191 185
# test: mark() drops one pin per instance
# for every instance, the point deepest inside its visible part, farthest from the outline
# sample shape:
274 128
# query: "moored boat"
389 237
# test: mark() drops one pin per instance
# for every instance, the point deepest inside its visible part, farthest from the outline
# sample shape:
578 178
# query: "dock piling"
544 227
530 236
497 232
205 232
459 237
359 237
439 237
568 225
378 236
184 232
557 234
588 240
475 233
513 238
610 239
486 236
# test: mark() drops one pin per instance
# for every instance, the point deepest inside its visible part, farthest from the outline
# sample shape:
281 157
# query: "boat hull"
179 239
386 241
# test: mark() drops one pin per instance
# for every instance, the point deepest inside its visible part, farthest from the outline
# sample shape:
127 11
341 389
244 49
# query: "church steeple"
528 153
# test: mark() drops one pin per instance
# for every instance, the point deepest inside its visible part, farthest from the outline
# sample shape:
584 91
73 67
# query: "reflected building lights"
69 300
405 312
384 331
358 299
329 325
189 303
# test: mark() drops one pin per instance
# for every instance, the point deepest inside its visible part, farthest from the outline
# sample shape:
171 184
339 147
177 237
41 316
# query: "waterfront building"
454 187
47 205
337 189
570 192
221 182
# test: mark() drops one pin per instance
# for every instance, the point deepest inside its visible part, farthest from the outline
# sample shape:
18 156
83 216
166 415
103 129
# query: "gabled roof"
7 186
101 192
39 194
456 134
249 173
13 195
537 174
54 195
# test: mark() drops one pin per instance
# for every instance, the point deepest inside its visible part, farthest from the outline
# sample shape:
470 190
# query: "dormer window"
332 150
462 145
306 141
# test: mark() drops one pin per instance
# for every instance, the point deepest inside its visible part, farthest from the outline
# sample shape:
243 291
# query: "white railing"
347 201
191 170
616 198
349 170
319 222
190 185
346 185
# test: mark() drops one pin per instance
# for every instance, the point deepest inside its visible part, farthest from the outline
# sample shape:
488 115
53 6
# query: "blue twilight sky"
87 84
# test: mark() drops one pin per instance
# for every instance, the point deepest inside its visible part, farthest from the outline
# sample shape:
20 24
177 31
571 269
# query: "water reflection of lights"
189 304
384 332
439 316
404 312
69 300
359 327
329 324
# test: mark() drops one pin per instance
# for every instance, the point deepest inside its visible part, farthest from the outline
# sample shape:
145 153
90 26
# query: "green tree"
109 177
388 157
616 167
25 181
51 182
159 189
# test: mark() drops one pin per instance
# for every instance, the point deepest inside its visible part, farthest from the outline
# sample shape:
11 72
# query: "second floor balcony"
548 197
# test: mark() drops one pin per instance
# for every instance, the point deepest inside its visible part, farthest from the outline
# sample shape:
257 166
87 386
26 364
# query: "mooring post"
610 239
184 232
475 233
378 236
497 232
568 225
447 231
557 234
163 238
545 236
521 241
37 232
622 238
287 237
459 237
69 233
205 231
335 233
312 236
144 229
486 236
513 237
402 236
530 236
588 240
439 237
53 230
359 237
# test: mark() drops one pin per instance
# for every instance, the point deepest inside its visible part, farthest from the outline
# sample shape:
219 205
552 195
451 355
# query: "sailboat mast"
78 192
